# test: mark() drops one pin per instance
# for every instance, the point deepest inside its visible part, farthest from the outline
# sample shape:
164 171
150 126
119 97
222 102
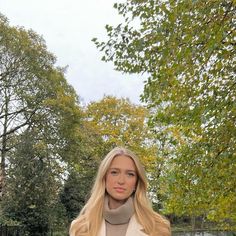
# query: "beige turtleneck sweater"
117 220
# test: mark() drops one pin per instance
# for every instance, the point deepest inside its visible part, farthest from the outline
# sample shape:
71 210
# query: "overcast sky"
68 27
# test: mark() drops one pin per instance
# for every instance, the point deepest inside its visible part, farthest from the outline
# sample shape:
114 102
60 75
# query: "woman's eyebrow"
116 168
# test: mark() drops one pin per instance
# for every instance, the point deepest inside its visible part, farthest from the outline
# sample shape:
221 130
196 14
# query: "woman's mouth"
119 190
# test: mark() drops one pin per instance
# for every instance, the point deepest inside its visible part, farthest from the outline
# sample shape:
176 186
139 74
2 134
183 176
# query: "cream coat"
134 228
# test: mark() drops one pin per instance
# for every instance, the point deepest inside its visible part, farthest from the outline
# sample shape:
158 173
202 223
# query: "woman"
118 205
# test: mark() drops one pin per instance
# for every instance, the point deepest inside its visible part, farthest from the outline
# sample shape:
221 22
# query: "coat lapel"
134 228
102 231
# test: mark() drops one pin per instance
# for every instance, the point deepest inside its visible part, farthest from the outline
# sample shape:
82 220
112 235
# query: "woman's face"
121 179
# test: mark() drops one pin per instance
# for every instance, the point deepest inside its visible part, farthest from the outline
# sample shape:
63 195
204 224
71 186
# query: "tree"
108 123
40 119
32 185
187 49
75 192
120 123
33 93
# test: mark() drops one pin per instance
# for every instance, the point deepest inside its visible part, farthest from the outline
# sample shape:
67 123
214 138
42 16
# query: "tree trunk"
2 167
202 222
4 151
193 222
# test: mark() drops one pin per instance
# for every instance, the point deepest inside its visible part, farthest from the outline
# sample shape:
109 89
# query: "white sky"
68 27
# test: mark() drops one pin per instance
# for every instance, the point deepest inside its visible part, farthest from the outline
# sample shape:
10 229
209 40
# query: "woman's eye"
131 174
113 172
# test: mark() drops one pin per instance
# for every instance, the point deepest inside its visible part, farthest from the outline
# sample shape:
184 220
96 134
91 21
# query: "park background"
183 128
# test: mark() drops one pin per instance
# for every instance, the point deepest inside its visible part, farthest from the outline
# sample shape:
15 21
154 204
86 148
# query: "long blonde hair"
89 221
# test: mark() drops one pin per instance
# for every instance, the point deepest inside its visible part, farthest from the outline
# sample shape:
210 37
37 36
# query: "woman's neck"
114 203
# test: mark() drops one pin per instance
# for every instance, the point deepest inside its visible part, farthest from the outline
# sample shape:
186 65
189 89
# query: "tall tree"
187 49
32 186
108 123
120 123
33 92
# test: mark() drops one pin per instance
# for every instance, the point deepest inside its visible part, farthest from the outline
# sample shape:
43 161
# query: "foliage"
121 123
39 130
187 48
81 168
33 94
108 123
31 186
75 191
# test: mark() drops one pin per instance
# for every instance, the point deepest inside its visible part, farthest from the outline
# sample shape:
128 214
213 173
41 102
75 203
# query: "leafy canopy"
187 49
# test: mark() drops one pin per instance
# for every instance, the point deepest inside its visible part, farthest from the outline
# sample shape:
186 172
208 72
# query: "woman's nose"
121 179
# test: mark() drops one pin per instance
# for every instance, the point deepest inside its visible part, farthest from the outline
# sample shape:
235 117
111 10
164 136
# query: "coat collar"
134 228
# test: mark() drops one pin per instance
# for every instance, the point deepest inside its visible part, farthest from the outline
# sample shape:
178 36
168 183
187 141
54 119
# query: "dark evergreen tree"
31 185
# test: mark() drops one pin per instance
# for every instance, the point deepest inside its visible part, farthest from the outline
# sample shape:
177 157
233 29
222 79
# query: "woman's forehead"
123 162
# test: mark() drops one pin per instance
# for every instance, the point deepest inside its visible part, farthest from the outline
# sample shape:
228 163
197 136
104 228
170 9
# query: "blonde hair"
89 221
